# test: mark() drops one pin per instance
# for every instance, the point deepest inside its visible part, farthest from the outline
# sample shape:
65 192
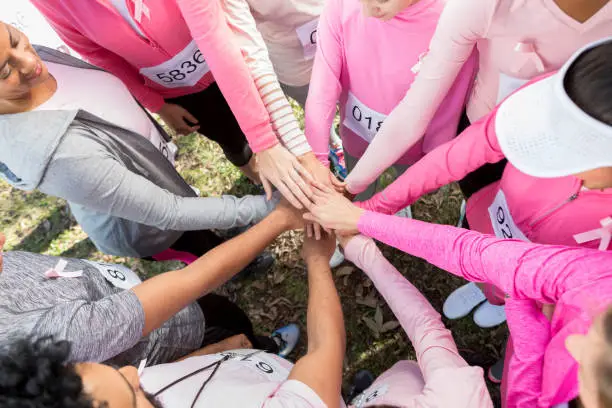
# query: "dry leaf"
259 285
390 325
371 325
344 271
378 317
359 291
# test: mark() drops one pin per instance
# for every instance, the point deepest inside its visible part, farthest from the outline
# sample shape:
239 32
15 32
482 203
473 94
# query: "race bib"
508 85
502 221
185 69
167 149
370 395
362 120
261 363
118 275
308 37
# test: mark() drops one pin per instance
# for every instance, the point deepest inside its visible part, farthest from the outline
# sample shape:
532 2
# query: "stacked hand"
319 251
176 117
333 211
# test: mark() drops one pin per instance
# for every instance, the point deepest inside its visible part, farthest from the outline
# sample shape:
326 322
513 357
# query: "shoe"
286 338
488 315
337 258
462 214
404 213
361 382
496 372
462 301
259 266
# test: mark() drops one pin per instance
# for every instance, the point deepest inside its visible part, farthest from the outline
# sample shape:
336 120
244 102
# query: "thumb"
266 186
187 115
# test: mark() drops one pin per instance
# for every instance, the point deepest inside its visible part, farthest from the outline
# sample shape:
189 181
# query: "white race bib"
362 120
370 395
508 85
185 69
307 34
167 149
502 221
261 363
118 275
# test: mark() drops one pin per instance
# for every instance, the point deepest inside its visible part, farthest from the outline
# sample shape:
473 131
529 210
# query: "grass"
42 224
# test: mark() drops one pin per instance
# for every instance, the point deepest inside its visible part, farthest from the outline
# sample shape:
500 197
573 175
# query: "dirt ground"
37 223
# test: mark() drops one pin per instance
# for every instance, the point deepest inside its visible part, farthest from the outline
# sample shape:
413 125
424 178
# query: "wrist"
306 157
317 262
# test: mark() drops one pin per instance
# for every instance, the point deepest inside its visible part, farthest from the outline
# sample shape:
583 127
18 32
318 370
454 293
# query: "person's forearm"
325 320
523 270
449 162
255 52
165 295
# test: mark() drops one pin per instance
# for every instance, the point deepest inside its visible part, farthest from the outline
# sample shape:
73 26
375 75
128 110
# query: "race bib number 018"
502 221
308 37
118 275
184 70
362 120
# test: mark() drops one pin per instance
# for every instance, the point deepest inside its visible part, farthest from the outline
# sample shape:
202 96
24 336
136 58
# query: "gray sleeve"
89 177
97 330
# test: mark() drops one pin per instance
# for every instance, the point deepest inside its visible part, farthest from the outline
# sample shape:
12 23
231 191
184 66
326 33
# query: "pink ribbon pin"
58 271
527 53
139 9
604 234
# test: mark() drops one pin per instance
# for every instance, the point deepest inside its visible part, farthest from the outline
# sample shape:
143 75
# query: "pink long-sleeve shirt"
97 31
441 378
516 39
578 281
367 65
545 210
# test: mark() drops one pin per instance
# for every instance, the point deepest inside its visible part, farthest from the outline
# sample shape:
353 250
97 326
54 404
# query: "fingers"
309 230
187 115
266 186
303 172
286 192
317 231
299 187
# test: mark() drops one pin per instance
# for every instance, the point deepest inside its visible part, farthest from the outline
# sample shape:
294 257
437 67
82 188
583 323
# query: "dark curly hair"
38 374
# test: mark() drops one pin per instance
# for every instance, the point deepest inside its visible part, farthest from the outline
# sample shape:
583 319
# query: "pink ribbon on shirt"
139 9
527 53
604 234
58 271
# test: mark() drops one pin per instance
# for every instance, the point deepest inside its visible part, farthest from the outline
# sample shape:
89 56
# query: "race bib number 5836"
185 69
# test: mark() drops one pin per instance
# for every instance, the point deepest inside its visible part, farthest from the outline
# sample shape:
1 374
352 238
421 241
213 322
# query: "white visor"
543 133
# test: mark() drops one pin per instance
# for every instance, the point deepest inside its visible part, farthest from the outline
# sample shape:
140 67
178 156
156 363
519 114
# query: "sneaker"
286 338
404 213
496 371
462 214
488 315
462 301
337 258
259 266
361 382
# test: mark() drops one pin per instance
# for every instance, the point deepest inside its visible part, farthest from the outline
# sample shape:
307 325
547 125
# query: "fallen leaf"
378 317
344 271
390 325
371 325
259 285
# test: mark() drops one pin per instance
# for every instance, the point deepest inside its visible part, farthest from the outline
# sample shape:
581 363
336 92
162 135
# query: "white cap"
543 133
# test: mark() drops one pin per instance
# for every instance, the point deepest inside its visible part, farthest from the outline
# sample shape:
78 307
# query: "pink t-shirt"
249 379
544 210
440 377
368 65
517 40
185 42
578 281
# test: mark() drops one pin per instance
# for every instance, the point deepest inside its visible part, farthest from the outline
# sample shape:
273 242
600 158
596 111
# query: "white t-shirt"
105 96
121 7
248 379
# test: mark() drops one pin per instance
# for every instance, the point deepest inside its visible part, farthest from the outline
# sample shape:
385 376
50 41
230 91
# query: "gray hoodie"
125 195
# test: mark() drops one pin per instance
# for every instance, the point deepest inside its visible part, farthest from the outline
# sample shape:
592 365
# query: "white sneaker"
488 315
337 258
461 302
404 212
